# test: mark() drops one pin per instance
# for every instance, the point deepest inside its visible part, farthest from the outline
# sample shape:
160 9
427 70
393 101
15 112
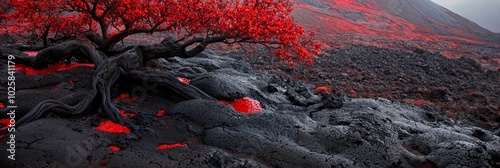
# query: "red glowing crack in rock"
125 114
111 127
245 105
122 113
31 53
323 89
170 146
4 122
114 148
124 97
160 113
183 80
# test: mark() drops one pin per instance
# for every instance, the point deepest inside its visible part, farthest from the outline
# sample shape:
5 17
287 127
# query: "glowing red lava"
125 114
245 105
323 89
160 113
2 105
54 68
114 148
111 127
5 122
183 80
170 146
124 97
353 93
122 113
31 53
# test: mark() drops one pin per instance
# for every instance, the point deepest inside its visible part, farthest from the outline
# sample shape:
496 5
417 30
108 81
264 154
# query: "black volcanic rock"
460 88
208 114
322 130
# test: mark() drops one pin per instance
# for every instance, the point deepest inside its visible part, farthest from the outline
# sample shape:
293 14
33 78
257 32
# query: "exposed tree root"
108 71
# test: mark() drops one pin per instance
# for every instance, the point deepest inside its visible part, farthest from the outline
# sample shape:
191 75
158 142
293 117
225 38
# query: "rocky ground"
459 88
297 126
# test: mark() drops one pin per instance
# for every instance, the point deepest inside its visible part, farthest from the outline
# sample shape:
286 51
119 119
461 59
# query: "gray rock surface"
297 128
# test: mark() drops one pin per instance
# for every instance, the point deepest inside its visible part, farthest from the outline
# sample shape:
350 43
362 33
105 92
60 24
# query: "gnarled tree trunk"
109 70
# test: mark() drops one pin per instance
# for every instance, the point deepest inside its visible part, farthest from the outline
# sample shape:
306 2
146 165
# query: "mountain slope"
415 19
397 24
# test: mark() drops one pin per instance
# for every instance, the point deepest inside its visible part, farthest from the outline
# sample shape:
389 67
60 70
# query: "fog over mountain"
483 12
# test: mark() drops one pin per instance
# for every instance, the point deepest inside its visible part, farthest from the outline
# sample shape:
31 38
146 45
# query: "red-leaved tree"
191 24
265 22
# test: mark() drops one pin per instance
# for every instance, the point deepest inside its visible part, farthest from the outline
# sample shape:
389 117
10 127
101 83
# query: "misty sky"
486 13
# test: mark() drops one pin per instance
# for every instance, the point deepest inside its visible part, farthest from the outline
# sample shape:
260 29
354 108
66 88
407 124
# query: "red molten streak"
54 68
111 127
245 105
183 80
2 105
122 113
5 122
31 53
323 89
114 148
160 113
170 146
124 97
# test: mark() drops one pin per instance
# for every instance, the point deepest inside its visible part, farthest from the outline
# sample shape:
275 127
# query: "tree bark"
109 71
63 51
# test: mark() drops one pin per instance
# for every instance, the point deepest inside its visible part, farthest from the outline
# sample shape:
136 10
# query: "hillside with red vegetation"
396 25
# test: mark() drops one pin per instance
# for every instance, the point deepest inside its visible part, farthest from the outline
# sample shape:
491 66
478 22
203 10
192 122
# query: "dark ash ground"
298 128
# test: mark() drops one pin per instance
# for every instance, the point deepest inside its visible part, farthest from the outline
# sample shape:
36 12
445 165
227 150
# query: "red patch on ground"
420 102
71 82
114 148
5 122
1 136
124 97
417 102
2 105
54 68
447 54
245 105
353 93
31 53
55 86
170 146
125 114
122 113
323 89
160 113
183 80
111 127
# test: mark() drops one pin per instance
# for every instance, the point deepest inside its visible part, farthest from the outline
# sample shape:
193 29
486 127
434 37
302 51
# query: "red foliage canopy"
264 22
